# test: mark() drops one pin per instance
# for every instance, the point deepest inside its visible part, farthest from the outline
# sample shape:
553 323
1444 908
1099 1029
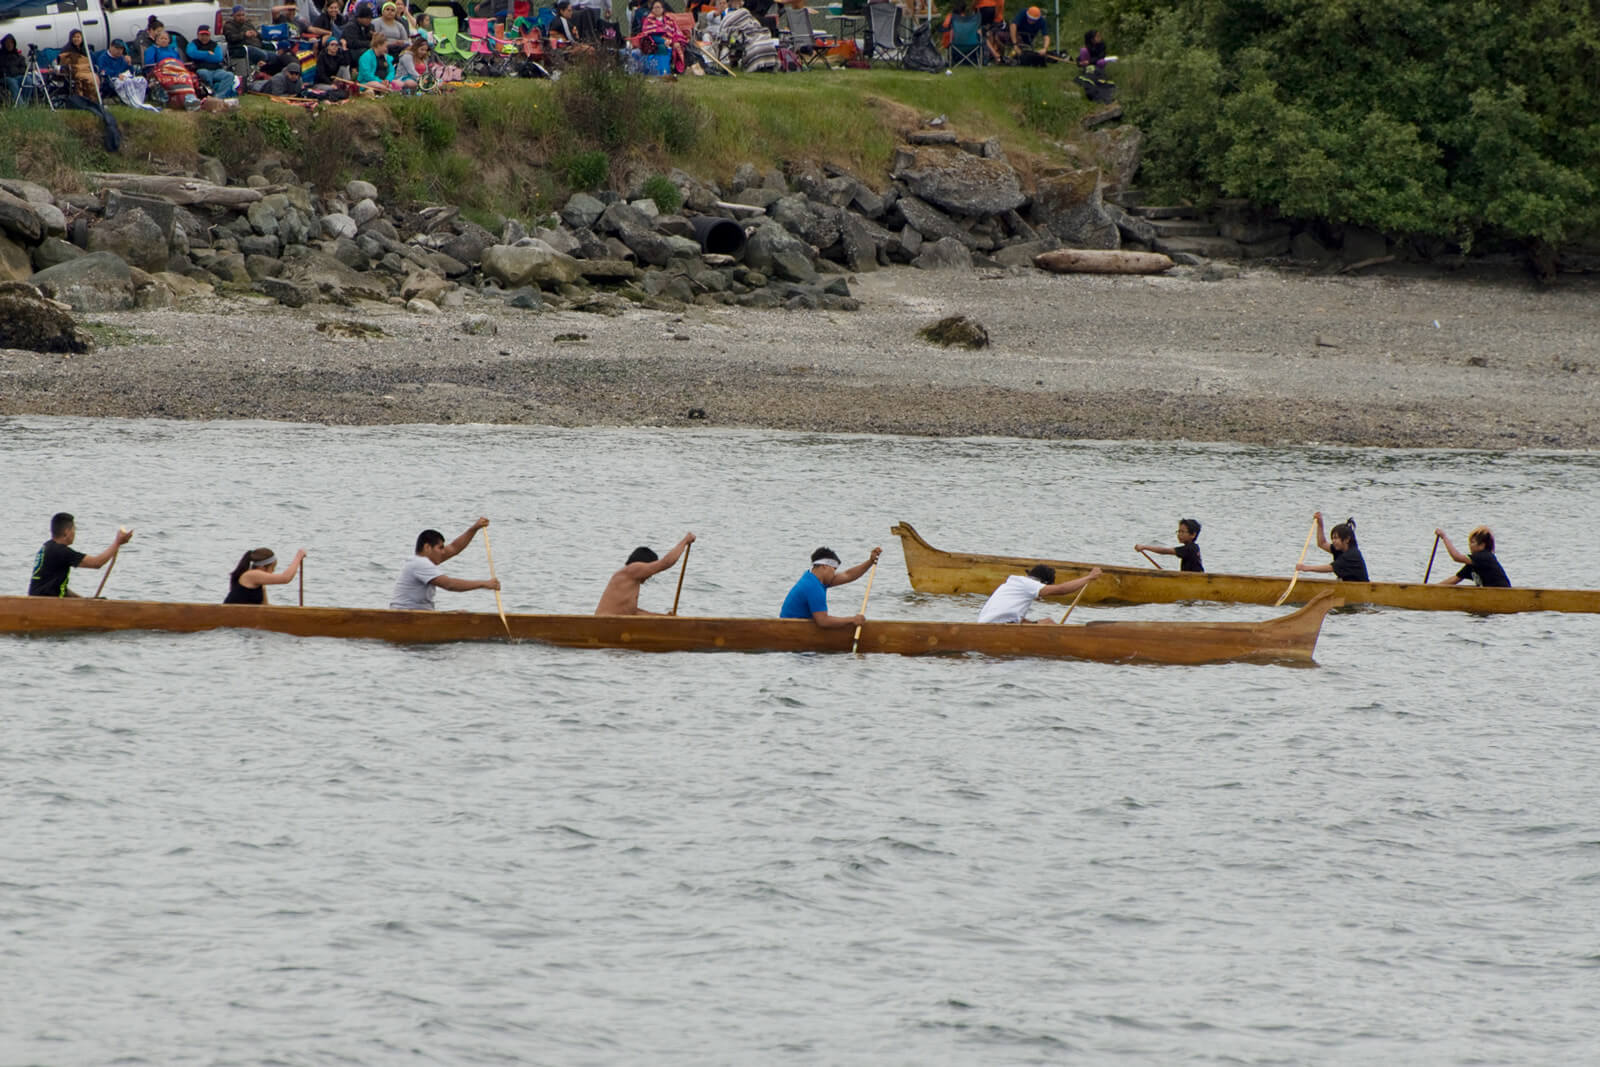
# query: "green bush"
607 109
1447 118
585 170
659 188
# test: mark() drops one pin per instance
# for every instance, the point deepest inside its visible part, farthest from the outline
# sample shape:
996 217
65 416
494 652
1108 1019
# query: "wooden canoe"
933 570
1290 638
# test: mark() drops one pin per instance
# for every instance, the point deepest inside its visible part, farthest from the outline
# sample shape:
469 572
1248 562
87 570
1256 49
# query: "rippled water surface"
250 848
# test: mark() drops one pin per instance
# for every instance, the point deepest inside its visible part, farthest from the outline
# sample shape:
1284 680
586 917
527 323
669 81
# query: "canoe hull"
1288 638
932 570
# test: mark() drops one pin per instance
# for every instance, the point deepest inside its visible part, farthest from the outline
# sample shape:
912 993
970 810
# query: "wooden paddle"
1152 559
1296 576
302 581
682 567
498 603
855 641
1435 552
1075 600
112 563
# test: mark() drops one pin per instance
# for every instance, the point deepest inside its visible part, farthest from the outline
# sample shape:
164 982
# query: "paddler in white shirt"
1010 603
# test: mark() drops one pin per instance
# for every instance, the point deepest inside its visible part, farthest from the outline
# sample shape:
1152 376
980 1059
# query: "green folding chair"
450 47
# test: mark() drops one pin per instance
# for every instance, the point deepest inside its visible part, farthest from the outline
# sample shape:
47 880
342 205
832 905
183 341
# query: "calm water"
244 848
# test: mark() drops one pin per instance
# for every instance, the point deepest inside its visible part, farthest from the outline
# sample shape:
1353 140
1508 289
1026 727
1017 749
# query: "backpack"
921 54
1097 88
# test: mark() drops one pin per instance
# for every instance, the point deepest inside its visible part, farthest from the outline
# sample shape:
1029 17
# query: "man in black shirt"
56 558
1188 552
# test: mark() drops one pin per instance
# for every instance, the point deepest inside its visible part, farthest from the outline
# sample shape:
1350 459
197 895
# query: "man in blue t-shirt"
808 599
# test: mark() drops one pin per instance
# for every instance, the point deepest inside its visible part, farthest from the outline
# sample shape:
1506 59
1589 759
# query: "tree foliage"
1460 119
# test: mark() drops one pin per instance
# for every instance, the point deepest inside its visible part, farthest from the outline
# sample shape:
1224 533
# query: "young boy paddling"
52 566
1188 552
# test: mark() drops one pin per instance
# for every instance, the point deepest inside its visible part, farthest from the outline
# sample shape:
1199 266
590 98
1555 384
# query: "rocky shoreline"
1264 357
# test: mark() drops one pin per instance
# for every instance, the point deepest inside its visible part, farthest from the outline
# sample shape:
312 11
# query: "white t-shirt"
414 591
1010 603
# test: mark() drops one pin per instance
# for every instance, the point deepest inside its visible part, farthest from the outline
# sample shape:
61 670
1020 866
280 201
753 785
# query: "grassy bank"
518 147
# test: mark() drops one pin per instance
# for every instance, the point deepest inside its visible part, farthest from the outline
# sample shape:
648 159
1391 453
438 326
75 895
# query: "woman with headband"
257 568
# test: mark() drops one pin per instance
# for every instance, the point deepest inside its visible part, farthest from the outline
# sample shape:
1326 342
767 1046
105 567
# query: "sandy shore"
1265 357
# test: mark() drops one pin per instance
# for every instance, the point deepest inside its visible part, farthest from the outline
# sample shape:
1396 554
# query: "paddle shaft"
1077 598
856 640
1296 576
107 575
1435 552
499 605
682 567
302 583
1152 559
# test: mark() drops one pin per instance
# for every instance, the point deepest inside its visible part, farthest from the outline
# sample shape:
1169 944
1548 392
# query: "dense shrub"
1451 118
666 195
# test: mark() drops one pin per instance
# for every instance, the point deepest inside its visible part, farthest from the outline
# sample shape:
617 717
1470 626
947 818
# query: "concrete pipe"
719 236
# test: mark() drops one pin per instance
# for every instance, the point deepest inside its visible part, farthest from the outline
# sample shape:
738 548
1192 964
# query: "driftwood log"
1101 261
179 190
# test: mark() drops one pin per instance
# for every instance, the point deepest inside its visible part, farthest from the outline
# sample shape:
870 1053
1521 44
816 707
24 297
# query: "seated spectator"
661 26
284 83
84 83
375 71
323 22
1093 53
424 29
13 65
391 30
591 18
637 10
358 31
411 67
117 73
242 37
210 62
1030 33
333 63
161 47
561 29
145 38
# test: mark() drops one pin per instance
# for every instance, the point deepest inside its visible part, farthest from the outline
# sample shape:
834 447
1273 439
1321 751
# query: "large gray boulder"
775 251
134 237
514 266
16 263
100 281
930 222
623 216
53 250
944 254
858 248
469 243
960 182
20 220
816 224
582 211
332 279
1071 207
28 320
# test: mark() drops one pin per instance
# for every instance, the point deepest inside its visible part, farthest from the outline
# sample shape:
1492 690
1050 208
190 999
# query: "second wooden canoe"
933 570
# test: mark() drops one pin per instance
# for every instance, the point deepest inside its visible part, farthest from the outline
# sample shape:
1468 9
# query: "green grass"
518 147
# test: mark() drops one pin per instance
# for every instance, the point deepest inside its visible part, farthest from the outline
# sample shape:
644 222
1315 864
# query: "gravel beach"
1265 357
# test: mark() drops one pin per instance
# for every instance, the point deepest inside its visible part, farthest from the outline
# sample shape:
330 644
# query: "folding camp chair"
884 33
802 40
966 42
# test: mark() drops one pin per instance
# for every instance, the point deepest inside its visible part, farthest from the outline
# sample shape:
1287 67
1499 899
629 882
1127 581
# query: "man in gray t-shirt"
422 573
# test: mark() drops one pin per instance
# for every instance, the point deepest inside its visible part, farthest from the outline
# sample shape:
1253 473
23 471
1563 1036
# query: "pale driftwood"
1364 264
178 189
1101 261
740 209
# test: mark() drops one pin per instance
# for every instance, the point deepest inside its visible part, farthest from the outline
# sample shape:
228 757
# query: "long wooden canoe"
1290 638
933 570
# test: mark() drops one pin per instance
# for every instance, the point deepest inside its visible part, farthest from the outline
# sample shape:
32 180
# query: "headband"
263 564
825 561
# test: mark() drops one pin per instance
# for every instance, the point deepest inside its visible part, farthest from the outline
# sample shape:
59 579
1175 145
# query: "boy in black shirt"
53 564
1481 565
1188 552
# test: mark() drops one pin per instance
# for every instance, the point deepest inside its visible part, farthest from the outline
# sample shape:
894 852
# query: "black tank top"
238 594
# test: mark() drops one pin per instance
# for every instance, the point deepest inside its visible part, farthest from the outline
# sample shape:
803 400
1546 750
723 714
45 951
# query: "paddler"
1188 552
421 574
1481 564
53 564
257 569
622 591
1340 542
808 598
1010 603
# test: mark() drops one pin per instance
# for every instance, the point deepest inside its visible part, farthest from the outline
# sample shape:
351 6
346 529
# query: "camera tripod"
33 80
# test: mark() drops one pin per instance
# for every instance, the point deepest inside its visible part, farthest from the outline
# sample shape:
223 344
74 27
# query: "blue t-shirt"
807 597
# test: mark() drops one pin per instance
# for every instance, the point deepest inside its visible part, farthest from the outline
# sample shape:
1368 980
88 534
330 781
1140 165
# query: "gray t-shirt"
414 591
